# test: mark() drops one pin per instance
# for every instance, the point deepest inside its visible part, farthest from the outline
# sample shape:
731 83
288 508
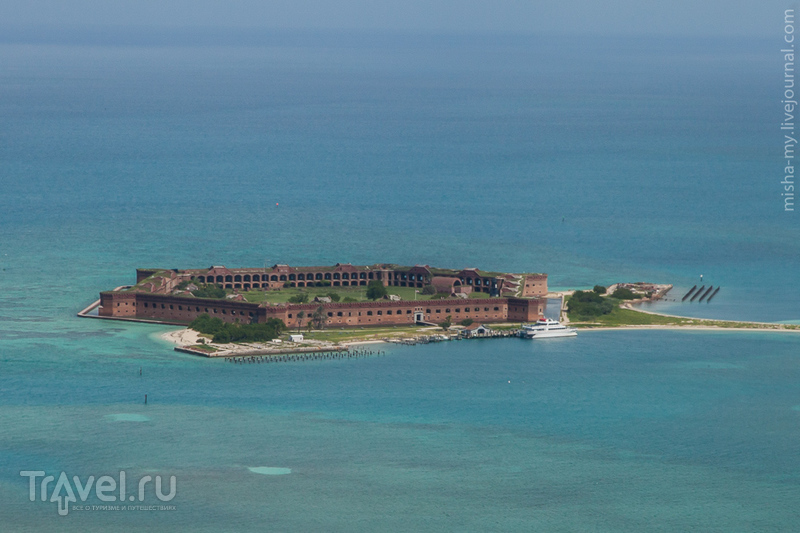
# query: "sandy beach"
760 327
181 337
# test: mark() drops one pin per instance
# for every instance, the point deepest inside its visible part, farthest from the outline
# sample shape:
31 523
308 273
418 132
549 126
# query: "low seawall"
250 353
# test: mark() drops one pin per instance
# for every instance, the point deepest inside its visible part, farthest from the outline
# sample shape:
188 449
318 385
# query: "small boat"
546 328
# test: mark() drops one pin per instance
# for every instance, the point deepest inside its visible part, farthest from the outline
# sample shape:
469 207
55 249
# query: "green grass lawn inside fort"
356 293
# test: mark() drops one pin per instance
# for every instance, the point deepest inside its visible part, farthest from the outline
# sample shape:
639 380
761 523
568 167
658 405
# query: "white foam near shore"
270 470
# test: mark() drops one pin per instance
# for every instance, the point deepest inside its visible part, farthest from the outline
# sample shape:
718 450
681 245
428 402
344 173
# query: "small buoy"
276 204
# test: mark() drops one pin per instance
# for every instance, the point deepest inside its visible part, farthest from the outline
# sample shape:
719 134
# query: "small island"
288 310
616 307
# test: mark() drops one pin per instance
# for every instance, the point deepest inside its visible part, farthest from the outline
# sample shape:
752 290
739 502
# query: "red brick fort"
512 297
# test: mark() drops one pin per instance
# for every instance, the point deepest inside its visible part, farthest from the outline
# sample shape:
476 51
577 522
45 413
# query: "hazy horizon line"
233 36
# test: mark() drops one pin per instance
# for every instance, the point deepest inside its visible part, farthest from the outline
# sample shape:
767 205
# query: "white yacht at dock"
546 328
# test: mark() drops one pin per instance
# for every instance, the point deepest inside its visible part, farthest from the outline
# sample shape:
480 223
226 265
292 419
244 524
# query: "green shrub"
205 324
375 290
588 304
625 294
599 289
428 290
447 323
319 317
209 291
334 296
299 298
586 297
222 337
223 332
466 322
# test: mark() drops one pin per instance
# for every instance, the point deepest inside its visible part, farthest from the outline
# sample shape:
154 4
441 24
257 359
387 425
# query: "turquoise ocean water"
593 160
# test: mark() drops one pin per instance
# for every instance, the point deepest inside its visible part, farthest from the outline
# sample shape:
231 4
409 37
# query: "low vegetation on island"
596 308
208 291
590 309
225 332
589 305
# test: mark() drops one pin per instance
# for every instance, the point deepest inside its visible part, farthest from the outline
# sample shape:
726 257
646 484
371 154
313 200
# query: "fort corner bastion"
258 294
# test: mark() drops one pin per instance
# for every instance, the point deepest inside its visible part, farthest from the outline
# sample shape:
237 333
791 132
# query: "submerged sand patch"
127 417
270 470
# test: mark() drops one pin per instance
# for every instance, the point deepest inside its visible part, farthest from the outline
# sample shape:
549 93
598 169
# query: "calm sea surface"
592 161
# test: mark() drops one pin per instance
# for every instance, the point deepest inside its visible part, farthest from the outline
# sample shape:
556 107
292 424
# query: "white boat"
546 328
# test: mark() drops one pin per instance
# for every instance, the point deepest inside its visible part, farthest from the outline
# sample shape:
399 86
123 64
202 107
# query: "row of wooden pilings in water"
314 356
699 292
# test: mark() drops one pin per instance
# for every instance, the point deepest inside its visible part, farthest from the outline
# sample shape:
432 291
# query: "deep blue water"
593 161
